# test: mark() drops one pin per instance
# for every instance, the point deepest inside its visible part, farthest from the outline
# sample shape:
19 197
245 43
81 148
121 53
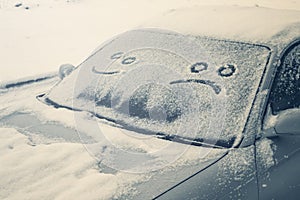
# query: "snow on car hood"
251 24
44 146
158 82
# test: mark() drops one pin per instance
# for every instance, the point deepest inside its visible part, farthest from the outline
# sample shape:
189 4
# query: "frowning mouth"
104 72
212 84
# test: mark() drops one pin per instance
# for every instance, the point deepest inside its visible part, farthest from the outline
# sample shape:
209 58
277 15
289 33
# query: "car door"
279 174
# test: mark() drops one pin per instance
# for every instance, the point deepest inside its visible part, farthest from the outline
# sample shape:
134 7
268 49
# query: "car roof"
271 27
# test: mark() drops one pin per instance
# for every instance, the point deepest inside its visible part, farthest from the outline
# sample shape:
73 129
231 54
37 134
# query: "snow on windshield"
161 82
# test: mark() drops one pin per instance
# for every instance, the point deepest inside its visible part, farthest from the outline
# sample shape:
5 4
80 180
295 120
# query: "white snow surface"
248 24
37 167
54 32
265 151
56 171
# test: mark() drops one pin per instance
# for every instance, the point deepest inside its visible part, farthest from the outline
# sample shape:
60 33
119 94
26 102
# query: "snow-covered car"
202 103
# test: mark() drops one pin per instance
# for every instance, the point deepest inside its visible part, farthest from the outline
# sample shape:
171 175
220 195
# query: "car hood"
133 162
260 25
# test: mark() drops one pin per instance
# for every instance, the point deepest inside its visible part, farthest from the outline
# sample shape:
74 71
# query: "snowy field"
40 35
37 36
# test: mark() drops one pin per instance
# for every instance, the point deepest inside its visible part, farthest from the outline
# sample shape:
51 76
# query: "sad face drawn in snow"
159 85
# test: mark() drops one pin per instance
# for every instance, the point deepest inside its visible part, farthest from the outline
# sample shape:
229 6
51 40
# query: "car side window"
285 93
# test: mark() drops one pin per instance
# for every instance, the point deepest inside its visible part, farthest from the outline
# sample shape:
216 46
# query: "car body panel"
278 178
233 177
282 115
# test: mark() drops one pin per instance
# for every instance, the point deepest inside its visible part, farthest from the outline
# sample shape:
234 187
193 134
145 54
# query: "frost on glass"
166 83
286 91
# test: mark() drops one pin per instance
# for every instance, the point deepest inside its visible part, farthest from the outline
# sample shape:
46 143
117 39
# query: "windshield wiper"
197 141
174 138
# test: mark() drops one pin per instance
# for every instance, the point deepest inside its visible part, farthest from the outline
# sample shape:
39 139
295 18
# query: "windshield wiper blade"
174 138
197 141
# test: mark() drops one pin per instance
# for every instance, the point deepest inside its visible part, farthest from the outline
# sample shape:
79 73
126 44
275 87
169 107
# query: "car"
201 103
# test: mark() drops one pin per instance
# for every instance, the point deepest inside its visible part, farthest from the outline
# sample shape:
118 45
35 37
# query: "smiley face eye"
128 61
226 70
199 67
117 55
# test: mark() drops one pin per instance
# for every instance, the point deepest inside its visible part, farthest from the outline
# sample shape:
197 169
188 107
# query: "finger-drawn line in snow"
212 84
103 72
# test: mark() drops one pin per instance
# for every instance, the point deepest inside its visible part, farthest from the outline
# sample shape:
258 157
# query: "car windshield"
168 84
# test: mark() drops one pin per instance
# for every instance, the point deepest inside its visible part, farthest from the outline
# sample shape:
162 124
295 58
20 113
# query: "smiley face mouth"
217 89
104 72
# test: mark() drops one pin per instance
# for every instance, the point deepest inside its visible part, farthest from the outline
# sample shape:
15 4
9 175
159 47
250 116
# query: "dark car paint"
281 181
219 183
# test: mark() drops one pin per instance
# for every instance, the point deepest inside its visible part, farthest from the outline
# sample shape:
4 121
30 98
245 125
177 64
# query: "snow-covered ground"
40 35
